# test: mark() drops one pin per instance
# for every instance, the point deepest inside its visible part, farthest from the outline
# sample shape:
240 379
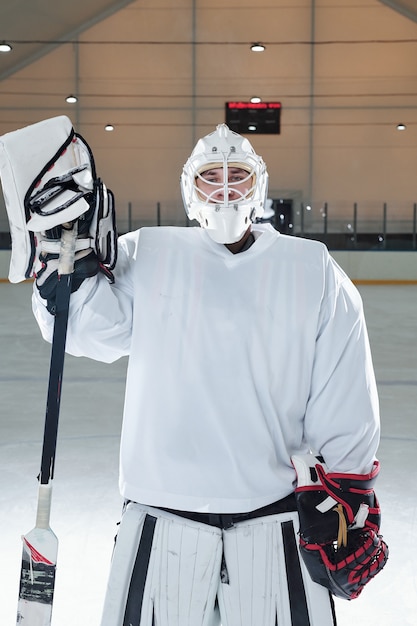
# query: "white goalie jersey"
236 362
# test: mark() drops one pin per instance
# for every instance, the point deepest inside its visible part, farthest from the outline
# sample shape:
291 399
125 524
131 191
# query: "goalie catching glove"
49 179
339 526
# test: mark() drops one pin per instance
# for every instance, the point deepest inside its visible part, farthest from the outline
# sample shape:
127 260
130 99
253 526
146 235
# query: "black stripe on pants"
296 592
140 570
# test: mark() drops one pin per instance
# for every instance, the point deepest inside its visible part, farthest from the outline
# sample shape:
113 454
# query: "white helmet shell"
226 220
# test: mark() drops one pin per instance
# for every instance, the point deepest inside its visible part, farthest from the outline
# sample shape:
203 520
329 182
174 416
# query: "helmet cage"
227 187
226 218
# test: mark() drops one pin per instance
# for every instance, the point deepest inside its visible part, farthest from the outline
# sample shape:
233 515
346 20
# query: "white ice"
86 504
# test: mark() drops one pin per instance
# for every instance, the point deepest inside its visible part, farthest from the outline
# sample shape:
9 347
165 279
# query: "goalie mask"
224 185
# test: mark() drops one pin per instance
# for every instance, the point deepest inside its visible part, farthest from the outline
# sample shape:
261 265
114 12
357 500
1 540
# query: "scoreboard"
254 117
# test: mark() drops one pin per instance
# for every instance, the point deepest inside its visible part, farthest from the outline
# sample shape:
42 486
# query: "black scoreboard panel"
254 117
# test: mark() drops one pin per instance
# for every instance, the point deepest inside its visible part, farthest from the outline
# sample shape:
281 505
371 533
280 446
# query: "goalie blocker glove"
339 526
48 177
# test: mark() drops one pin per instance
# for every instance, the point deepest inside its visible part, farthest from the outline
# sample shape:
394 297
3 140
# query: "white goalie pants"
170 571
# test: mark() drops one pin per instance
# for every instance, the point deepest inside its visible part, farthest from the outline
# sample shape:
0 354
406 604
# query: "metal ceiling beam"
36 51
408 8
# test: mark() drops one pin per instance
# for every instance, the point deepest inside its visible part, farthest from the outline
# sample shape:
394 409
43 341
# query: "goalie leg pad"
268 583
165 570
168 570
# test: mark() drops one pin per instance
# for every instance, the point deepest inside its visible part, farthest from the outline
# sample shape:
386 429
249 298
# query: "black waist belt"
227 520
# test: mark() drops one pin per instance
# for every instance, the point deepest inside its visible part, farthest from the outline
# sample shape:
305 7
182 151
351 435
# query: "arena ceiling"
36 26
162 70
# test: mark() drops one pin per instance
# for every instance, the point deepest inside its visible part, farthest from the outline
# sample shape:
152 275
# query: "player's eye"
238 178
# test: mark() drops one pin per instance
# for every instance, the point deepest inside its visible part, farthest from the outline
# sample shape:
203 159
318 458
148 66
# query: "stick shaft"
40 546
56 369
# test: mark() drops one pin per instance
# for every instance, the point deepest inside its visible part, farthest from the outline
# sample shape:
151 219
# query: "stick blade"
37 578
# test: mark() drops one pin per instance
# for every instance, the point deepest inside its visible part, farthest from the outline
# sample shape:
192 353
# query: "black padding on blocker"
140 571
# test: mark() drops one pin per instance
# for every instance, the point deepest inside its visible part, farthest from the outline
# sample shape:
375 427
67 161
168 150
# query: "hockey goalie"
247 349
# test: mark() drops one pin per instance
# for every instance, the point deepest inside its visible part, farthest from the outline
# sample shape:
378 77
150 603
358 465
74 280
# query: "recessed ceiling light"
109 127
257 47
401 126
71 99
5 47
255 99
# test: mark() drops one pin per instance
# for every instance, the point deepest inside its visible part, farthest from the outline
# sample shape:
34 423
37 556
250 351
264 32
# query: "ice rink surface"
86 504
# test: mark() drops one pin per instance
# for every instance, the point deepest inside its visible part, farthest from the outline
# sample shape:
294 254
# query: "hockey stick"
40 545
